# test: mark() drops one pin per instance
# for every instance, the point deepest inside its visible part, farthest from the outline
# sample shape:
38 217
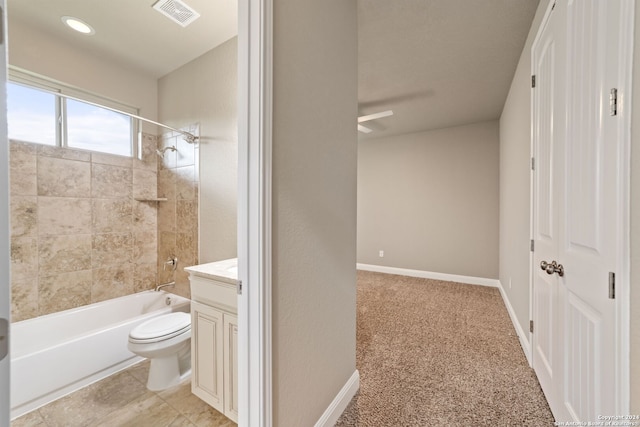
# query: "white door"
577 208
548 137
5 286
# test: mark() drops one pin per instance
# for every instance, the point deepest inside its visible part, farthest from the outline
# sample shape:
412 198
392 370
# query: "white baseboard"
340 402
494 283
522 335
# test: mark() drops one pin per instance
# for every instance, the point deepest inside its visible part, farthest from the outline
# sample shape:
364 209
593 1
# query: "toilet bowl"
165 340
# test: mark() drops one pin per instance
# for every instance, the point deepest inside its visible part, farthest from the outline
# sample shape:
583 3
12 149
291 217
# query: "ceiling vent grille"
177 11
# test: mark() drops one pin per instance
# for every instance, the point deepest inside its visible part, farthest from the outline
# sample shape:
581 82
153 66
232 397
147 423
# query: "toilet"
166 341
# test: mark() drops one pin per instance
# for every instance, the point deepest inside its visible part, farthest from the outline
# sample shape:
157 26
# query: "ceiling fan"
373 116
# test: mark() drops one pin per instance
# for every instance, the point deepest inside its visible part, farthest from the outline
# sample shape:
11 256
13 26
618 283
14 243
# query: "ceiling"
437 63
131 32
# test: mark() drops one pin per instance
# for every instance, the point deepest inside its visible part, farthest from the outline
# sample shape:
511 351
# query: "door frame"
5 248
255 40
623 274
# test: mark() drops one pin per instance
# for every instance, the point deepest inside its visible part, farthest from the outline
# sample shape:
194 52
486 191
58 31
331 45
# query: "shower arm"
188 136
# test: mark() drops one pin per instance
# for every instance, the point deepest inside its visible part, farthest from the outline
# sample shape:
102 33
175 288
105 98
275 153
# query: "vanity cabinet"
214 340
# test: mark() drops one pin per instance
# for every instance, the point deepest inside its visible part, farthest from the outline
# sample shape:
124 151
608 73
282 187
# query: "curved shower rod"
188 136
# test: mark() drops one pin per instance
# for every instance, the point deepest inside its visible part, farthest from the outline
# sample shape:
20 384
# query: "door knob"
552 267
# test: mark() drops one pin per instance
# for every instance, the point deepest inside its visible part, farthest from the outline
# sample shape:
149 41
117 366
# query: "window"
36 113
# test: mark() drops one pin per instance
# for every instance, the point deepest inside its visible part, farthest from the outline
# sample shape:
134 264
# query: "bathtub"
56 354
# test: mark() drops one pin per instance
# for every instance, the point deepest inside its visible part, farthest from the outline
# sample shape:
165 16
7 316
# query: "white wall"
204 91
314 205
430 200
38 52
515 158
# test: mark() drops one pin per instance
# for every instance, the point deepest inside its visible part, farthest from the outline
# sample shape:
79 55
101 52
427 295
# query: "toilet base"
169 371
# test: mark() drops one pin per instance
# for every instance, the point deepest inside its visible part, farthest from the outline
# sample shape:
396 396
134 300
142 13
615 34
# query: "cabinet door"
231 367
207 354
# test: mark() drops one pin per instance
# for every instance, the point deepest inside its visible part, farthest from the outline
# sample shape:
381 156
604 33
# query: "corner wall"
204 91
430 200
314 205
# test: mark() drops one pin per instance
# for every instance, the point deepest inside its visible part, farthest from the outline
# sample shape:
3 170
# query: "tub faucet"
165 285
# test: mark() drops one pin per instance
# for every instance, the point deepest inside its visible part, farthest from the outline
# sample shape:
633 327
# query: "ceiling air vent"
177 11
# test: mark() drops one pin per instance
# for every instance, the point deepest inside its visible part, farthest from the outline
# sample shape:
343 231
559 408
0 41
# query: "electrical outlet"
381 254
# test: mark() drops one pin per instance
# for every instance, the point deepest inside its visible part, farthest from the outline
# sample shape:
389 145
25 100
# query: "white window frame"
39 82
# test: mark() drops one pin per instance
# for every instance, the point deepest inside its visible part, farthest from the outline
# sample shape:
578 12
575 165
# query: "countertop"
224 271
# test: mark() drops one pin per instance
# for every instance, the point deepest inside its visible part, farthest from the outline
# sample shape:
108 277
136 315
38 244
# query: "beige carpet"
433 353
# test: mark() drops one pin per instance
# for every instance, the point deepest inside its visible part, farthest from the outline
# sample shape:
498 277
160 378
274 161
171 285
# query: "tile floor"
123 400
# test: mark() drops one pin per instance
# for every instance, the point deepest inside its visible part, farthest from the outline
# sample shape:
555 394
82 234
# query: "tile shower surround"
78 235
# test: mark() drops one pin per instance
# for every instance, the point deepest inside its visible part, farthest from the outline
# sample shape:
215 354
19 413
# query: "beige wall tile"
22 147
187 216
145 215
24 299
145 184
166 249
64 291
187 248
167 183
64 253
110 181
111 159
112 282
112 215
185 179
64 215
64 153
167 216
111 249
170 157
24 258
145 247
24 216
22 170
144 276
148 156
63 178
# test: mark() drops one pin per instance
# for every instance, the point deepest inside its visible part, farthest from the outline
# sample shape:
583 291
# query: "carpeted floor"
433 353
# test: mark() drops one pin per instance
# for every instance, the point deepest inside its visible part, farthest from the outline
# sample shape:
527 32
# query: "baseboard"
340 402
522 335
494 283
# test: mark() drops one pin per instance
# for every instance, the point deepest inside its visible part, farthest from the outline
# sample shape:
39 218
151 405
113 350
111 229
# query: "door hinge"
612 285
533 163
533 246
533 80
531 326
613 102
239 287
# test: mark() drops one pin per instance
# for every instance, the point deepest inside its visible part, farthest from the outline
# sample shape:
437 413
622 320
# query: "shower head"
160 152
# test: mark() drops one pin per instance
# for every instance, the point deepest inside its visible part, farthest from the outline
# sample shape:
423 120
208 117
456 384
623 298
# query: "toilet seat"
161 328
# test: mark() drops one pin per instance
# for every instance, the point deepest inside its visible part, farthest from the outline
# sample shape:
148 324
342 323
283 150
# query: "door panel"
589 228
548 121
575 211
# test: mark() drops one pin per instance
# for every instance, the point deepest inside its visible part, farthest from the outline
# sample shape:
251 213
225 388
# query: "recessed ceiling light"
78 25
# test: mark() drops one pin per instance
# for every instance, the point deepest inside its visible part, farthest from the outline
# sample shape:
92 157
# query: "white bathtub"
56 354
